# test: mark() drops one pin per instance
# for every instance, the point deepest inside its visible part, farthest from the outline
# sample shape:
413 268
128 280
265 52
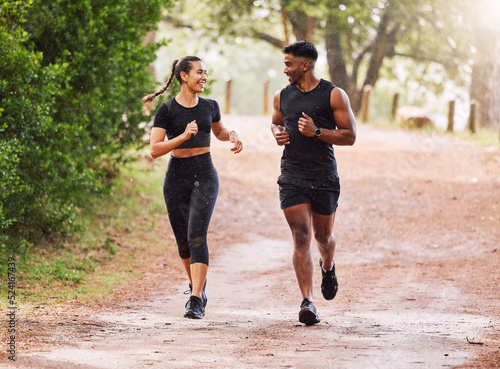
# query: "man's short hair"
302 49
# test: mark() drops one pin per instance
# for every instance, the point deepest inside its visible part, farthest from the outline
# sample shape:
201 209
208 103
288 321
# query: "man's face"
294 68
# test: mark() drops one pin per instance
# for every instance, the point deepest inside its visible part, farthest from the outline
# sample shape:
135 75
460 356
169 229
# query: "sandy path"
418 232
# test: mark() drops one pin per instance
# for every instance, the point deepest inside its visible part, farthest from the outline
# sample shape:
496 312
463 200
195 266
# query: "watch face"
317 131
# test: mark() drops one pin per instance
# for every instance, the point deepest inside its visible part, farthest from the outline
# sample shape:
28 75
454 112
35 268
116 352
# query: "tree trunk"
338 71
485 79
383 46
335 59
299 24
285 25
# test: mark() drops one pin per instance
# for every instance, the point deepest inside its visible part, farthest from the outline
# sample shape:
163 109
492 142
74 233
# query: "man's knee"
302 237
324 238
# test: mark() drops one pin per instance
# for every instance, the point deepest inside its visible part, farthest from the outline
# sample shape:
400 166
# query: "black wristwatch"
317 132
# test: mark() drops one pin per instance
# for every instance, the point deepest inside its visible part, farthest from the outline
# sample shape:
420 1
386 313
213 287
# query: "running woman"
310 115
191 182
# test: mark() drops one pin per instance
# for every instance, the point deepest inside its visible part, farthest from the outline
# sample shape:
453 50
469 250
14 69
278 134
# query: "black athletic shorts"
323 194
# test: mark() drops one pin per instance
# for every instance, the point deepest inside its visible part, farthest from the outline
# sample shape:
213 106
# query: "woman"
191 181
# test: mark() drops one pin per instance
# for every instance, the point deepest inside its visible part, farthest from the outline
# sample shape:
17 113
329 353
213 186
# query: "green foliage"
109 246
10 179
102 255
72 76
101 42
433 32
67 270
229 18
429 32
30 142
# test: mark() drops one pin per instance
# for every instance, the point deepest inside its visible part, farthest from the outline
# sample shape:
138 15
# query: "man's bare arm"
345 134
278 123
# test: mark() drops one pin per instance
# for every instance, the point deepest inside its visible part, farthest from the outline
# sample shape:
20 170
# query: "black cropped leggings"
190 188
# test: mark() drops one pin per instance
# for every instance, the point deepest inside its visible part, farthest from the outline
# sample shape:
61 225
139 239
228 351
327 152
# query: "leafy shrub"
72 75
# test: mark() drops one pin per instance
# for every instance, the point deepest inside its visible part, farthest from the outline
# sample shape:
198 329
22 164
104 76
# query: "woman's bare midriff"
186 153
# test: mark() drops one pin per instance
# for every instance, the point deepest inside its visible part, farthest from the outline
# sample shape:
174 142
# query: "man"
310 115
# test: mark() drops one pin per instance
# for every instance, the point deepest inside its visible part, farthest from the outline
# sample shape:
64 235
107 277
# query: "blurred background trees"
434 43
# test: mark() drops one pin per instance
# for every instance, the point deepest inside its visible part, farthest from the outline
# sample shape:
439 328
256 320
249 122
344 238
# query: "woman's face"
197 77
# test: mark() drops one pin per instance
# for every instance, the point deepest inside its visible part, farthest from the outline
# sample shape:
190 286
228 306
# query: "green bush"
101 43
72 75
32 145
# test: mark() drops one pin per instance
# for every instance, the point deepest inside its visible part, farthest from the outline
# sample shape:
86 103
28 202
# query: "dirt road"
418 252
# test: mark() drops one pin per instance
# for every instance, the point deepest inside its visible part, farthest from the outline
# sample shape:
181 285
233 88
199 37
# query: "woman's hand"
191 130
238 145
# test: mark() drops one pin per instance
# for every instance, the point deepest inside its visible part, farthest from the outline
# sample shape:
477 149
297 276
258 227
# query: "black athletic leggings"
190 188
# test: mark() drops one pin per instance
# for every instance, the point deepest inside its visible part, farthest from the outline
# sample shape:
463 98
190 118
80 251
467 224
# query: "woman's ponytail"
148 98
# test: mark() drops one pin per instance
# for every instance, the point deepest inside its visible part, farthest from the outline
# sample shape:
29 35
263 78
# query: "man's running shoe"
307 313
329 284
194 308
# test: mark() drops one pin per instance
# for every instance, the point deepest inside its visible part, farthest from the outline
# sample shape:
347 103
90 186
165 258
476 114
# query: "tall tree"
358 34
484 18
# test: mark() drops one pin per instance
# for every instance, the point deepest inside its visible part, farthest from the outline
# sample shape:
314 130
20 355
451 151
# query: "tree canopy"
359 36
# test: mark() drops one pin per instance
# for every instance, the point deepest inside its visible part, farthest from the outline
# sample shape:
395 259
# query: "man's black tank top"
308 157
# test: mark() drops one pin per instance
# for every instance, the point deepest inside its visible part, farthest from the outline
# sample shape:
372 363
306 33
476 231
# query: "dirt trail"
418 235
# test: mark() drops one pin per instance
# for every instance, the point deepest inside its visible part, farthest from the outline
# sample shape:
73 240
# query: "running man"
310 115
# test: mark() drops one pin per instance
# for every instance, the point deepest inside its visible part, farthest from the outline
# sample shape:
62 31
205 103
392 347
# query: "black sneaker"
194 308
203 294
329 284
307 313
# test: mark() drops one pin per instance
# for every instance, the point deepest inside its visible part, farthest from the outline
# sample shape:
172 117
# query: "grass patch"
66 269
111 231
484 137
